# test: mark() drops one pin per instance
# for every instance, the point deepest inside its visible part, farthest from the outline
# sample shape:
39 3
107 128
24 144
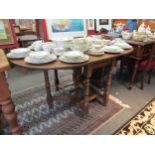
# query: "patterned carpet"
36 118
142 123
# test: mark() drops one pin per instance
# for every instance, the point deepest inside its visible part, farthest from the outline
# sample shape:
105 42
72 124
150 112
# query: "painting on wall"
6 36
103 23
66 27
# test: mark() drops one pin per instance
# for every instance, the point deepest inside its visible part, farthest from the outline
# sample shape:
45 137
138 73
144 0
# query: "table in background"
140 50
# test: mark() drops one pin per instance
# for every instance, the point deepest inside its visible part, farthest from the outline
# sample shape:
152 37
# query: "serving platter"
49 59
11 56
63 59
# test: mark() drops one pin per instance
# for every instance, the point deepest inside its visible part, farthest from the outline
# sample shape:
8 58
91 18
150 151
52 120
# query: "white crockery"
49 46
59 51
74 57
126 35
18 53
64 42
112 49
123 45
40 58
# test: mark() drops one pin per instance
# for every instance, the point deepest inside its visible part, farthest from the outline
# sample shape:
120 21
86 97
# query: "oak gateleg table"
88 67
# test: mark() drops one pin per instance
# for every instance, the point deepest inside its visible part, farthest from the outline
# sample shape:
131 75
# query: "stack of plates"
80 44
123 45
40 58
74 57
18 53
112 49
96 50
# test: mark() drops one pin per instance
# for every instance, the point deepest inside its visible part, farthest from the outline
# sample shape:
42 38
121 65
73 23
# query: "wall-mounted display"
66 27
103 23
7 35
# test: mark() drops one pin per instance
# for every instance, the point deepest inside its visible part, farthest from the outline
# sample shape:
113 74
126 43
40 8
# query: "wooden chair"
145 65
25 36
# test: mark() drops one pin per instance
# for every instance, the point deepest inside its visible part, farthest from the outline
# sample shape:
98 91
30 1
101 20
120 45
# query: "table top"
133 42
4 64
61 65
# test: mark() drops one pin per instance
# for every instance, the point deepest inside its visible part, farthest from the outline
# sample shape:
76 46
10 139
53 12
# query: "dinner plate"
96 53
11 56
63 59
50 58
112 49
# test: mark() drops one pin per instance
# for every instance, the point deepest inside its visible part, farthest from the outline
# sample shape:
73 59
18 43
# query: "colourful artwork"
67 25
2 31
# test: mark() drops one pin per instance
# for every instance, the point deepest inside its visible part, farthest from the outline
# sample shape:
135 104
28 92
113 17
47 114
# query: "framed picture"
65 28
103 23
6 36
91 24
26 24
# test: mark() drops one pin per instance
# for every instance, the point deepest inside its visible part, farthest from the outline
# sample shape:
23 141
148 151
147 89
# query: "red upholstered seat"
145 64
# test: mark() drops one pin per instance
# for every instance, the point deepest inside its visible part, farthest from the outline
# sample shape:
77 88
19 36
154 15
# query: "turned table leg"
77 78
108 83
8 108
88 72
139 51
56 79
48 88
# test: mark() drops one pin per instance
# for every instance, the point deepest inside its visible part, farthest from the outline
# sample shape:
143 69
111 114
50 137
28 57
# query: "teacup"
59 51
96 46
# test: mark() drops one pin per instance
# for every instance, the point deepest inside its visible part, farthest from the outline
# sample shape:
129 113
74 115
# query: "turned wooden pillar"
56 79
108 83
8 106
6 103
48 88
77 77
88 72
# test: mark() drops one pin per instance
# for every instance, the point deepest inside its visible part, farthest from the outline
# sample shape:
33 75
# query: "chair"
145 65
25 36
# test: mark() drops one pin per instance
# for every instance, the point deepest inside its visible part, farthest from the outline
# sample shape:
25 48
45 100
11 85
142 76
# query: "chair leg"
149 76
143 79
134 73
121 70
